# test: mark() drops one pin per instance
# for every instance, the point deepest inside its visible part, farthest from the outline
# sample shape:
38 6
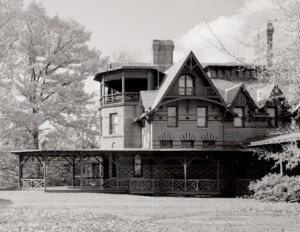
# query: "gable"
203 88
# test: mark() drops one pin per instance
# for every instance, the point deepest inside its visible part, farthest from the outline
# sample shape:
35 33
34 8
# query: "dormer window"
239 120
186 86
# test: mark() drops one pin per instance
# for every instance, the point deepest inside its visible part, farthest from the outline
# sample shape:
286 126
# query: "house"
173 129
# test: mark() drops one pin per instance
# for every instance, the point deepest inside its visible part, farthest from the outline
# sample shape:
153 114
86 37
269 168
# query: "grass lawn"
39 211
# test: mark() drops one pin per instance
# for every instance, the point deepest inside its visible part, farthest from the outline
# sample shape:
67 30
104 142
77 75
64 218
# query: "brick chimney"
163 54
270 31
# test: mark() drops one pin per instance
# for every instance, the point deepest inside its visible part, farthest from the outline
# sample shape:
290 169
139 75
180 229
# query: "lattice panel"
32 183
173 171
123 184
125 171
202 172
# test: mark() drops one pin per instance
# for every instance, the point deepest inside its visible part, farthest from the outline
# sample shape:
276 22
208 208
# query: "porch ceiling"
277 140
125 151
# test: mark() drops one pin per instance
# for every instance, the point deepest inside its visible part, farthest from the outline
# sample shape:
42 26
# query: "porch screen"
201 116
272 117
238 121
172 116
137 165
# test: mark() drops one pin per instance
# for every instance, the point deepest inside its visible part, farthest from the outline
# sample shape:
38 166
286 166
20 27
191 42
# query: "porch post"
73 171
185 172
161 175
45 171
109 166
218 175
123 87
81 174
20 172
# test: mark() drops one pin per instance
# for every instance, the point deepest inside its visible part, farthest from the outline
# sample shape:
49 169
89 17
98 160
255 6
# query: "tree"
286 50
11 26
46 79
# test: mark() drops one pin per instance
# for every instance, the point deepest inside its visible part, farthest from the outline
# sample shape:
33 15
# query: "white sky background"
133 24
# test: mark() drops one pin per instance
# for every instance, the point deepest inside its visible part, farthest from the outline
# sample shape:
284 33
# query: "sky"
131 25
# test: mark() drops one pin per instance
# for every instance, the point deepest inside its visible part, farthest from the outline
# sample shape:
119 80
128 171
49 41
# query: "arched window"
186 86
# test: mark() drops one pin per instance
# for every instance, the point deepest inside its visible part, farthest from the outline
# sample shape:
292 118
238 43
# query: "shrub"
274 187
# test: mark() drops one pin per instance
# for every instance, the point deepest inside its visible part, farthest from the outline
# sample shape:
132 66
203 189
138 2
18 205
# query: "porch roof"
277 139
93 152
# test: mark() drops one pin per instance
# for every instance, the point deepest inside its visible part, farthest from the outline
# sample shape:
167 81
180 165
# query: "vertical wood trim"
81 174
185 173
218 175
20 167
161 175
123 83
73 171
110 166
45 172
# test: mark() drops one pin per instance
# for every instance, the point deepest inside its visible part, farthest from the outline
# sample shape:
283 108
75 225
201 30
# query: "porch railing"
119 98
199 185
192 91
141 185
32 183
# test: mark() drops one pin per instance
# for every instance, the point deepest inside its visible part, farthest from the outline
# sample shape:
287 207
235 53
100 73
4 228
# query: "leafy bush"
8 170
274 187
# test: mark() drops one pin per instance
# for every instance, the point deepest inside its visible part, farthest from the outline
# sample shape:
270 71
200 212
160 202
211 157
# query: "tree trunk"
35 136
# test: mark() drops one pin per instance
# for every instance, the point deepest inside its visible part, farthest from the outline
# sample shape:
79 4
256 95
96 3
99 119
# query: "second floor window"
272 117
166 143
185 85
172 116
113 123
201 117
238 121
187 144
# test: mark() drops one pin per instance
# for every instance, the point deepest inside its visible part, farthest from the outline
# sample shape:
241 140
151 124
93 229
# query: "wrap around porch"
138 171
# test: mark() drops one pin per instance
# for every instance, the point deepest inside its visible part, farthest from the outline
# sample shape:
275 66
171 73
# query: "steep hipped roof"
227 89
147 98
263 94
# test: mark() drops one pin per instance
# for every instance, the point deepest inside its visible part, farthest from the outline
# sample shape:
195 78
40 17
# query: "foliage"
288 155
8 170
274 187
286 50
45 82
11 28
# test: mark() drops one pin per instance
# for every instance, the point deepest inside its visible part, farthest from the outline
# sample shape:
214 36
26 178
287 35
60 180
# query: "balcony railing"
119 98
191 91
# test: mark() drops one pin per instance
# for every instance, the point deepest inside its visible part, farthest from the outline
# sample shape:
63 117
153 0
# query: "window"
272 117
185 85
238 121
201 117
113 123
166 143
209 143
172 116
137 165
187 144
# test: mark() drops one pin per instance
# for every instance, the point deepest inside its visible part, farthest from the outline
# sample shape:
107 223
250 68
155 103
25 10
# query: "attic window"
186 85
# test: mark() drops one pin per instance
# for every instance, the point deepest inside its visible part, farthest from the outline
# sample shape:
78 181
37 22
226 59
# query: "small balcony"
191 91
127 97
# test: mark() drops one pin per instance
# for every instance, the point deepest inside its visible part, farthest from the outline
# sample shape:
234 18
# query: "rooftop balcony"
127 97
